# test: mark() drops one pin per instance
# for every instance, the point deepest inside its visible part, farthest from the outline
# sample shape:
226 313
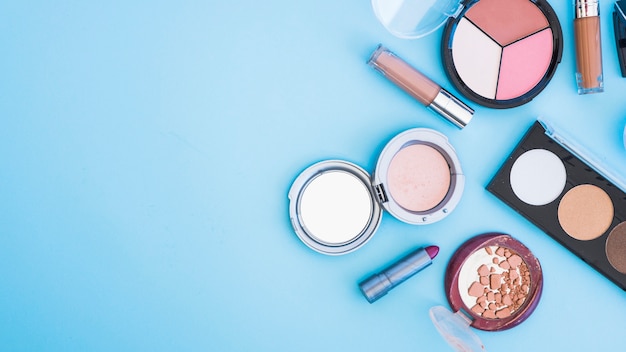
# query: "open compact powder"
336 206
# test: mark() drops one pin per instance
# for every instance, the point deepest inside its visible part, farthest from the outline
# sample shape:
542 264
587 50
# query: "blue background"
146 151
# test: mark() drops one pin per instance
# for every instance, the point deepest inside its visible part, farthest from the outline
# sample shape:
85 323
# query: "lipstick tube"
379 284
420 87
588 47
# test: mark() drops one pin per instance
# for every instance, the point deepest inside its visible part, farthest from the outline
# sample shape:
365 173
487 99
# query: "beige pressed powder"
585 212
418 177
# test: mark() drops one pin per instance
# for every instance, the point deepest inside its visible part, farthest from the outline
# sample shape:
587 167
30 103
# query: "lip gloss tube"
588 46
379 284
420 87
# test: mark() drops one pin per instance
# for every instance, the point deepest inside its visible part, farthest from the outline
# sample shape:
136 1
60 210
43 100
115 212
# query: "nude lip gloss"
420 87
588 47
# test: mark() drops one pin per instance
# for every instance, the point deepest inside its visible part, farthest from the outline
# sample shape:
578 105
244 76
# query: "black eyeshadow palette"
573 200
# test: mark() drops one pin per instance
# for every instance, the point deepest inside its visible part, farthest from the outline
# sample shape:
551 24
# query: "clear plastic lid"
455 329
415 18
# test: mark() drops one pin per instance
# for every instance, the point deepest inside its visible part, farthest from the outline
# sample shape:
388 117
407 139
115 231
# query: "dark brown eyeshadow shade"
616 248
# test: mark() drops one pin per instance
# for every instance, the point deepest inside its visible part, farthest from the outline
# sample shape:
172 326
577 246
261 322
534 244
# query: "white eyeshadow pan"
538 177
476 58
336 207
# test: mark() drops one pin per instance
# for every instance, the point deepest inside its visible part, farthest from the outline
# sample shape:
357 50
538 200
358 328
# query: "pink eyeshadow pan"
507 20
523 65
418 177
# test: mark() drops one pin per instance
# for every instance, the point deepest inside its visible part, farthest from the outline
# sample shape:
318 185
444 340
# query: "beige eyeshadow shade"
418 177
616 248
585 212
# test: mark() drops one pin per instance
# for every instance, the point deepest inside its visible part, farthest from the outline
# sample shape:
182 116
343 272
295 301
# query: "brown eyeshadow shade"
616 248
585 212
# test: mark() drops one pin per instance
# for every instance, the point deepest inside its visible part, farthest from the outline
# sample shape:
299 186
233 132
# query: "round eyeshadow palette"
502 53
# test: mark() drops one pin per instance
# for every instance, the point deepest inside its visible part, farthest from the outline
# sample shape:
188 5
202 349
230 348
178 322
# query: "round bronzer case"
493 282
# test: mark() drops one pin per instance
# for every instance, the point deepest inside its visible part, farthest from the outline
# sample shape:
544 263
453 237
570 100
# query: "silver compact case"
336 206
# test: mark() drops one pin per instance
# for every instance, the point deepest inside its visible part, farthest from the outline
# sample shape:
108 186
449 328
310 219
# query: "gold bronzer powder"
585 212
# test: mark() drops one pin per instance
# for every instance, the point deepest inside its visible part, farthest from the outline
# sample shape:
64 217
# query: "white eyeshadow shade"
538 177
476 59
335 207
418 177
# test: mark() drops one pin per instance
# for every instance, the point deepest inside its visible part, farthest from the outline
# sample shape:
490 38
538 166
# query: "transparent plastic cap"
455 329
414 18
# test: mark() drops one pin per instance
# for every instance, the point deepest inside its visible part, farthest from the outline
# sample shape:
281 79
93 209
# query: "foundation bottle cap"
415 18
